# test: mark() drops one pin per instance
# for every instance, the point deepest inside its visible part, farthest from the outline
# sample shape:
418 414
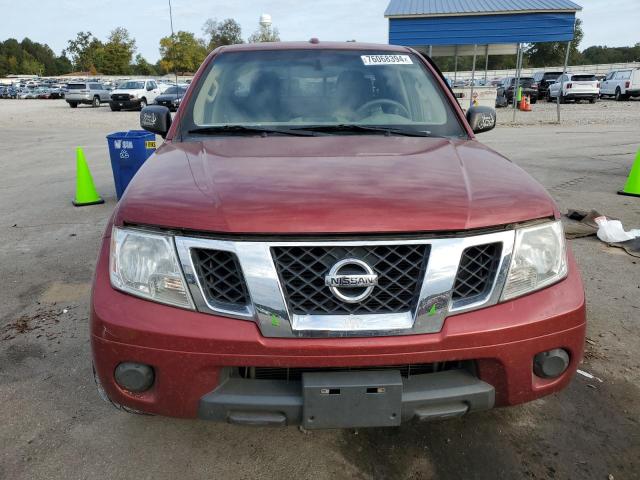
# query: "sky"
605 22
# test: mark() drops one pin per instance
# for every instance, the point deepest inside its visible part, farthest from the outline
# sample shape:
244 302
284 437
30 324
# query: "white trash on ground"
612 231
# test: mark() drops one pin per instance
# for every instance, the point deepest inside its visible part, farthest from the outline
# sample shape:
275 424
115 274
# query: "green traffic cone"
632 187
86 193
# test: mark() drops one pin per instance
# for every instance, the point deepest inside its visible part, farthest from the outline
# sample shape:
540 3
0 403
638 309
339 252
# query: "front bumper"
278 402
134 103
193 352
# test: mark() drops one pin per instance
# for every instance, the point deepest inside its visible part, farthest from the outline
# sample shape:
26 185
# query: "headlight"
146 265
539 259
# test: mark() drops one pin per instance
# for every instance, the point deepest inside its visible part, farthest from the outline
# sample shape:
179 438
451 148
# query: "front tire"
143 103
96 102
73 104
114 108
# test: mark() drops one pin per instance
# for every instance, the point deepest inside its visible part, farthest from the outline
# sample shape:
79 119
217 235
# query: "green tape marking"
432 310
275 321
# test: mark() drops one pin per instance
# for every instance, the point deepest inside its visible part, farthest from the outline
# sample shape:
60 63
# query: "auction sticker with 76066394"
386 60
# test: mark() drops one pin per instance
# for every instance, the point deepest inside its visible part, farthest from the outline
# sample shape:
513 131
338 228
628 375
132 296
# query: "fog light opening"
551 364
135 377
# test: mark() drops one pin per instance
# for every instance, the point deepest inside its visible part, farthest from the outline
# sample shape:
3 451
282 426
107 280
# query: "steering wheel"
384 101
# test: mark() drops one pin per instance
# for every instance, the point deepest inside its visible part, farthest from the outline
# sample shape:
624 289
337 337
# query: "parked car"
171 97
88 93
309 247
56 92
134 94
506 88
543 79
43 93
25 94
621 84
576 87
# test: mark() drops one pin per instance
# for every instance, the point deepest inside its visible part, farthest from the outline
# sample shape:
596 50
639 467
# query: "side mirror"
156 119
481 119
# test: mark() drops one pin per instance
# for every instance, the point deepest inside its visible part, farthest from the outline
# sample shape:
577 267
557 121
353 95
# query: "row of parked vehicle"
122 95
551 86
22 93
131 94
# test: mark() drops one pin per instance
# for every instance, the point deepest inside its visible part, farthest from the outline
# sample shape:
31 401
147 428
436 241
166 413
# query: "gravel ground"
55 426
603 112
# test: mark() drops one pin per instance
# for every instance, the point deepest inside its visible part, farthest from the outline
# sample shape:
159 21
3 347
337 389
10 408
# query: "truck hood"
331 184
128 92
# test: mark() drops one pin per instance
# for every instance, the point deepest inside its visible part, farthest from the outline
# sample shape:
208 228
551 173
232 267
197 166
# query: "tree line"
184 51
181 52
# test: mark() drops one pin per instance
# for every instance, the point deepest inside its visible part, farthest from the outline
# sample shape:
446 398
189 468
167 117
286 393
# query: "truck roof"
313 44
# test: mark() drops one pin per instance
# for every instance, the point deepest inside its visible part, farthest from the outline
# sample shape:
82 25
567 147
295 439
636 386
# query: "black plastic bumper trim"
277 402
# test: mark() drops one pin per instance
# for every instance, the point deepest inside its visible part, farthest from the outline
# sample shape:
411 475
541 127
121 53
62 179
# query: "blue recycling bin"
128 151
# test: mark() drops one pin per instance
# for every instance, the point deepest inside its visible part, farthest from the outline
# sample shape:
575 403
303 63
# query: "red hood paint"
331 184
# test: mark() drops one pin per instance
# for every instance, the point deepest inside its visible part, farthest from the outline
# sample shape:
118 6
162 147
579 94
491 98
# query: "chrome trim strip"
269 308
344 325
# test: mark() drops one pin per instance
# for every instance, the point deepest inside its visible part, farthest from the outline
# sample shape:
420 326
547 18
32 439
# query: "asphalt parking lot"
53 424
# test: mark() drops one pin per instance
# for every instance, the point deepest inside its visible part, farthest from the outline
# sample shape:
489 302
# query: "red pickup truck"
321 240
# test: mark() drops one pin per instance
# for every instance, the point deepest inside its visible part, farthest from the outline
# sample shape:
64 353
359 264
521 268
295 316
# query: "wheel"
96 102
592 100
563 100
619 97
114 108
73 104
143 103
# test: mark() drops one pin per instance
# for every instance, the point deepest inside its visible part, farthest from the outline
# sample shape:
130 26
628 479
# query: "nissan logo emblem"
350 274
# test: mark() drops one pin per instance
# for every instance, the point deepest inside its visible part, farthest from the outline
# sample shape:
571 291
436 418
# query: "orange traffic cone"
522 105
527 104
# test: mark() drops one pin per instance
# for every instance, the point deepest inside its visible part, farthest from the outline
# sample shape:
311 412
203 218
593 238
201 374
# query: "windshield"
328 88
526 81
132 86
174 91
583 78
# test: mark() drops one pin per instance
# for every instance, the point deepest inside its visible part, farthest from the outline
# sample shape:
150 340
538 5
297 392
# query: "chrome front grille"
477 270
281 285
302 271
221 277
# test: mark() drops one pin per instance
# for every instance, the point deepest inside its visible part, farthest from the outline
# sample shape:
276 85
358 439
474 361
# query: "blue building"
492 27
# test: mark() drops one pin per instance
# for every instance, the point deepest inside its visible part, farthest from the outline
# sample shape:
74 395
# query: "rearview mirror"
156 119
481 119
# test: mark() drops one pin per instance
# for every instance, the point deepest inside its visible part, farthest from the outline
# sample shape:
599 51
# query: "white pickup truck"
134 94
621 84
578 86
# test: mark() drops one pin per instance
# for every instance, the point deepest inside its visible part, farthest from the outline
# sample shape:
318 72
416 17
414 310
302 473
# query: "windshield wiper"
354 127
247 129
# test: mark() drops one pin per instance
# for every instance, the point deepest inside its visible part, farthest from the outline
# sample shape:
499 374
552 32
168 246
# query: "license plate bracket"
371 398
